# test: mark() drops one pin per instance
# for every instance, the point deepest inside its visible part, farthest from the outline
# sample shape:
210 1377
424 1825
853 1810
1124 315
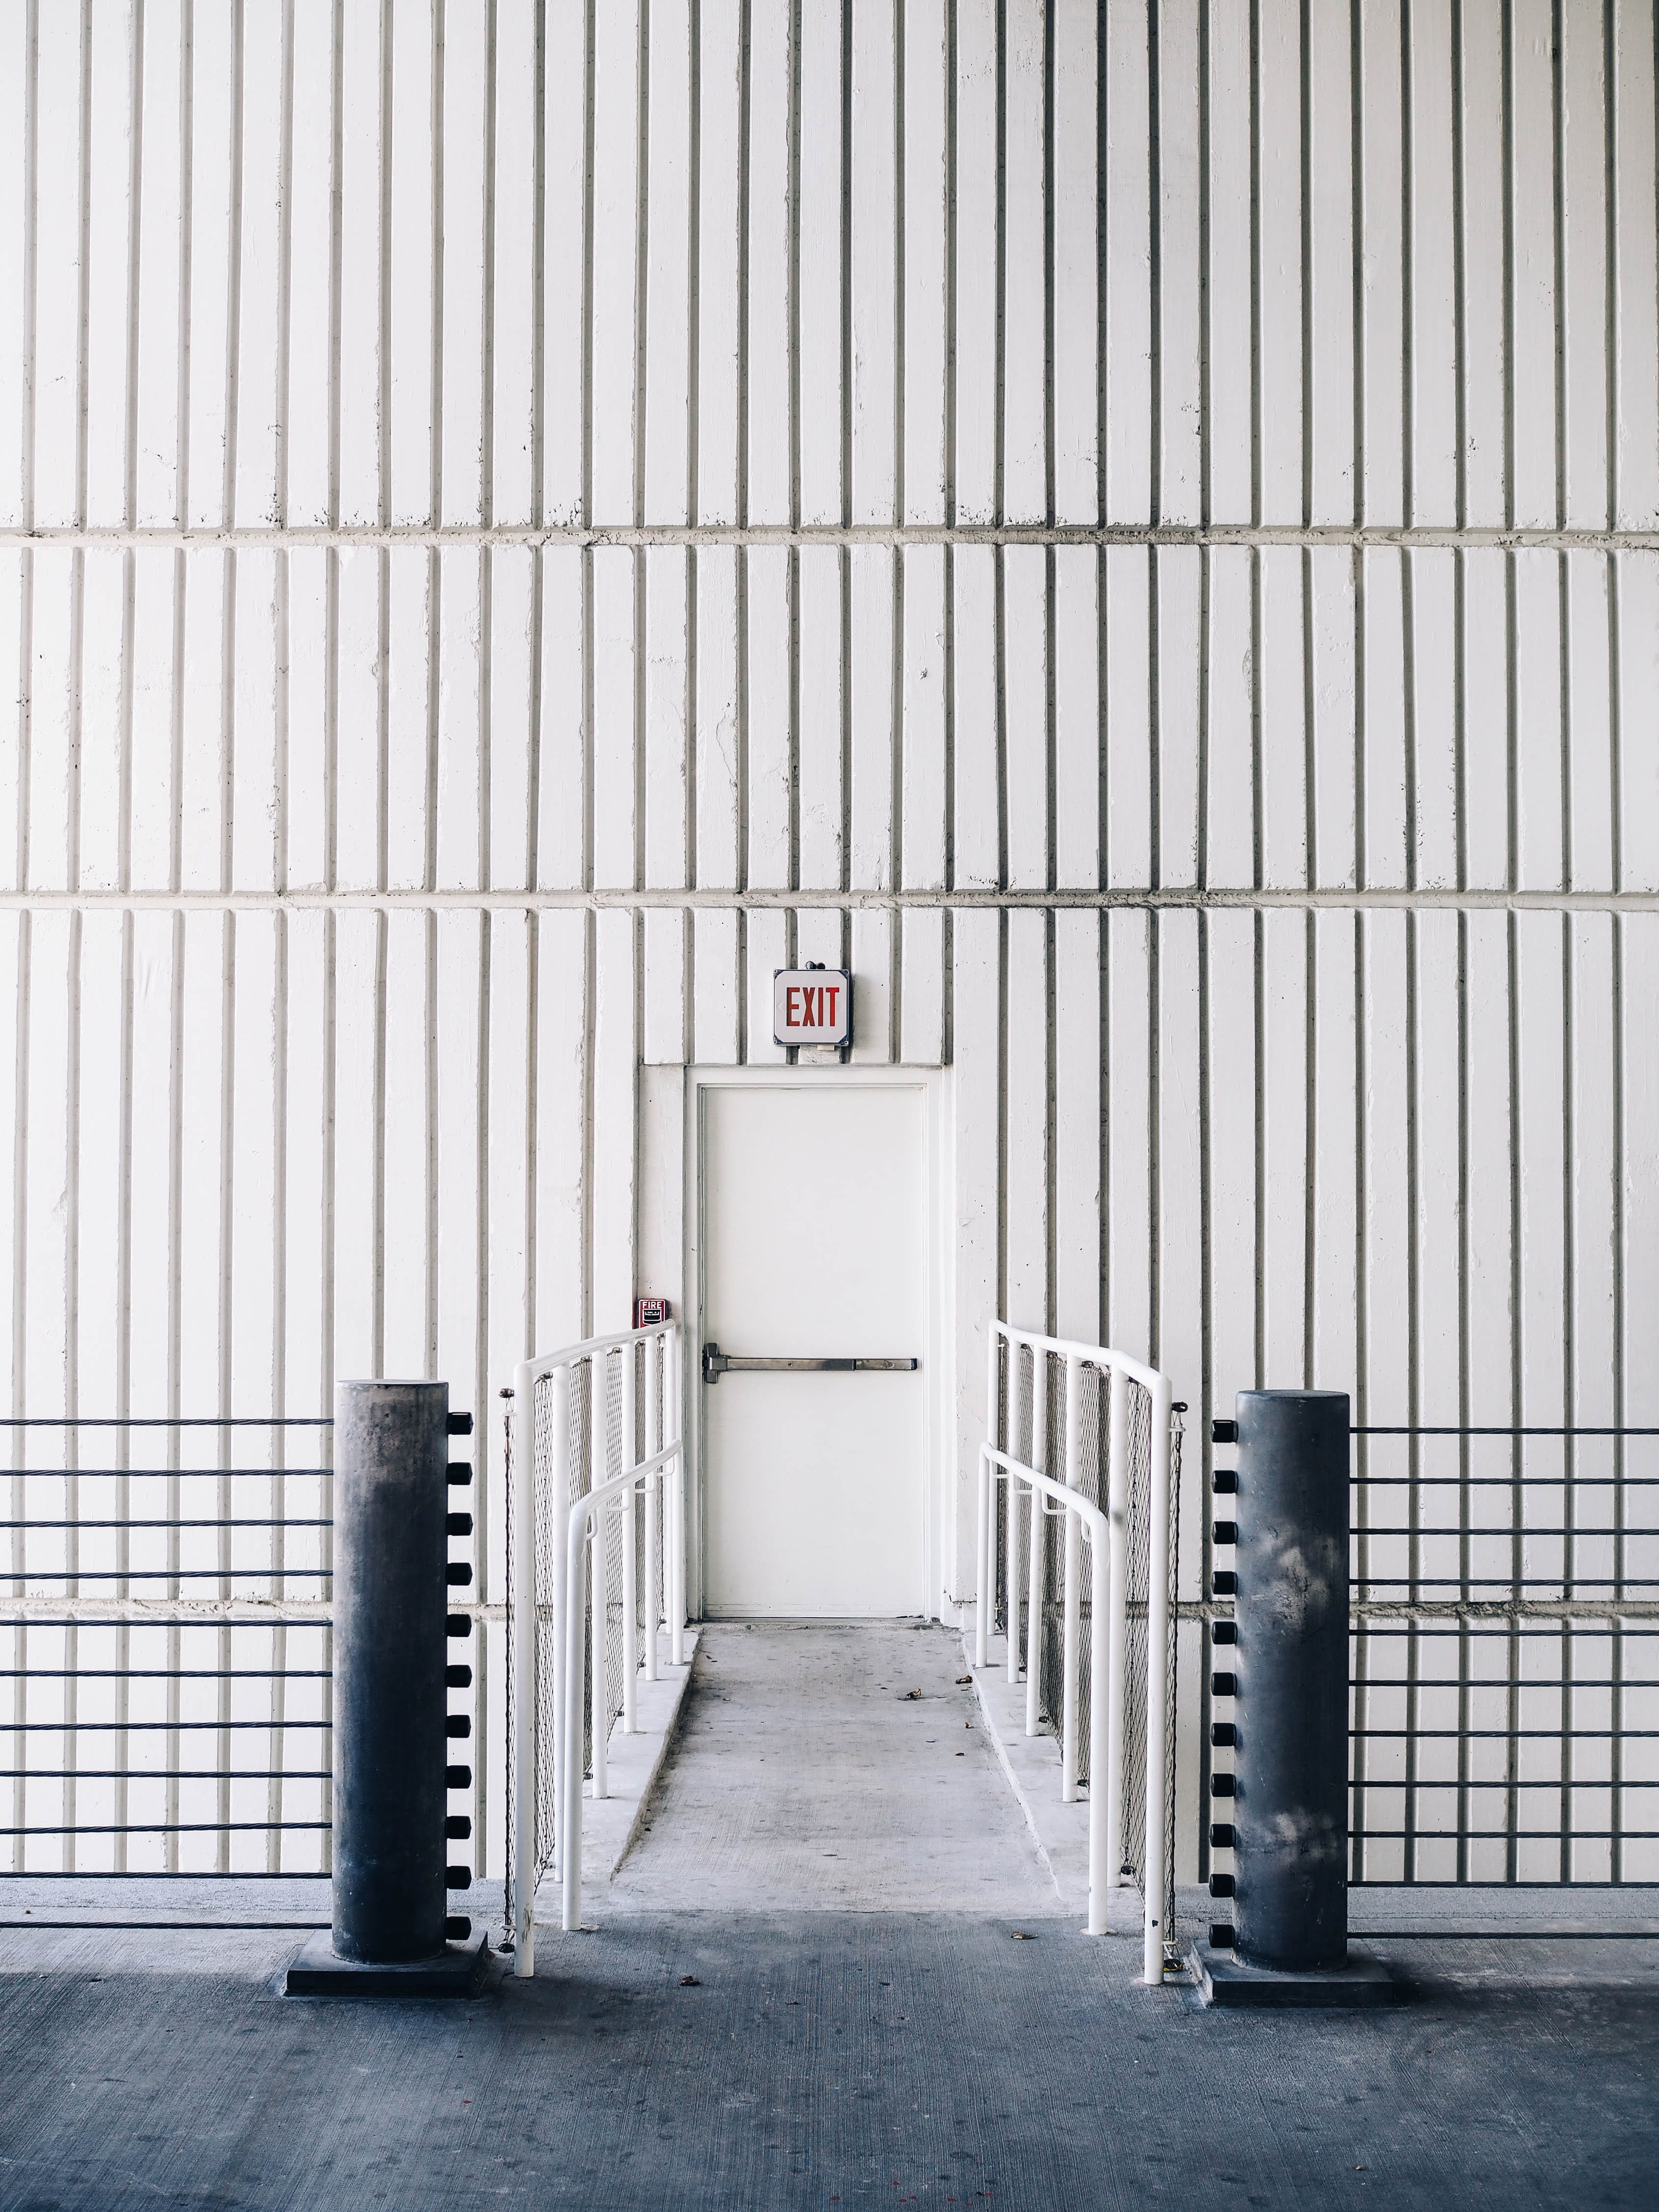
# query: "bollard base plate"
1223 1979
457 1971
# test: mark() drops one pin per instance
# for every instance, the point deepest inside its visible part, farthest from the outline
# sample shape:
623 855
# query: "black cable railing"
117 1648
1506 1678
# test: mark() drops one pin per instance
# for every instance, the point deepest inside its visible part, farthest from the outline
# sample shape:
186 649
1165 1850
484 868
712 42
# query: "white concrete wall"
516 520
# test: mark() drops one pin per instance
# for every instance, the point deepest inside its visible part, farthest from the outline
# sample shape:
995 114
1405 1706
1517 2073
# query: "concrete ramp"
832 1768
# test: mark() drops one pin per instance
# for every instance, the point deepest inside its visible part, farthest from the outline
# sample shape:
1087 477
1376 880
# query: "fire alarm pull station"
650 1313
812 1009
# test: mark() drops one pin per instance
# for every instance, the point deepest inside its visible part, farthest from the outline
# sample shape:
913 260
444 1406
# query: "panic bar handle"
716 1363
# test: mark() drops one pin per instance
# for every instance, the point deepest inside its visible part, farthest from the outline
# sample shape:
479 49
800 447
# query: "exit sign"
811 1005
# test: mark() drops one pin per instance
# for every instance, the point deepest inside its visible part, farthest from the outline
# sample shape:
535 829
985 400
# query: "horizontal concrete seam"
460 537
1326 900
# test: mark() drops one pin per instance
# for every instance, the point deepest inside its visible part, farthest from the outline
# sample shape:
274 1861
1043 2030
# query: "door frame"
938 1390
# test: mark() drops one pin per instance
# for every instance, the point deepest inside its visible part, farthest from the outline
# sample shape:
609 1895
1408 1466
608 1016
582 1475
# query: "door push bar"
716 1363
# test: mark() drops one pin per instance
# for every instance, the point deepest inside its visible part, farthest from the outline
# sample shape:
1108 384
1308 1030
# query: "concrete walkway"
704 2062
831 1769
801 1992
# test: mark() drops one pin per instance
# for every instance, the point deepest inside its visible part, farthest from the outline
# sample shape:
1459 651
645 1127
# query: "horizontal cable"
165 1774
163 1421
1382 1582
175 1927
118 1613
1425 1532
1498 1686
1525 1616
171 1828
133 1727
1499 1735
1411 1882
1391 1616
168 1473
163 1574
1495 1835
154 1873
26 1527
1501 1433
1466 1935
166 1673
1613 1482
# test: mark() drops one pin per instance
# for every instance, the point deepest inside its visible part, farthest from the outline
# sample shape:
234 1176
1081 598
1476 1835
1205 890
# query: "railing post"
1073 1463
598 1581
1102 1875
1036 1562
674 1379
1011 1547
576 1543
525 1719
1157 1680
982 1516
558 1509
654 1440
988 1596
1012 1524
1117 1509
627 1529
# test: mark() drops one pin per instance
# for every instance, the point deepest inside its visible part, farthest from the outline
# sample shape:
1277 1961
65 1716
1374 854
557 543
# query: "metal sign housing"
811 1007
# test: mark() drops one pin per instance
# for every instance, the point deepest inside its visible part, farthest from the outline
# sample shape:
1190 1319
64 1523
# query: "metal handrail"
545 1361
569 1528
1097 1355
1120 1369
1101 1533
586 1523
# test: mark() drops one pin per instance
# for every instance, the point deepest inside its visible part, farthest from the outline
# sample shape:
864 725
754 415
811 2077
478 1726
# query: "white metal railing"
994 1466
1031 1481
591 1451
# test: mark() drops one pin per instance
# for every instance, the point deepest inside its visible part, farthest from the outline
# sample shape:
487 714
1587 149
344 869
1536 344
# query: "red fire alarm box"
650 1313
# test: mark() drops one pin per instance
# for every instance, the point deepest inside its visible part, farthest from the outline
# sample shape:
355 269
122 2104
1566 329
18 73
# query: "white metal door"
814 1212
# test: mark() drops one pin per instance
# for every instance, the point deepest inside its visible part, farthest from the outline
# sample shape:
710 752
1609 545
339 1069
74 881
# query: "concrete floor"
823 2050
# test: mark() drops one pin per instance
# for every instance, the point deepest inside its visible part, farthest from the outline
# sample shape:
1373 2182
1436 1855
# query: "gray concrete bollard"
390 1603
1290 1813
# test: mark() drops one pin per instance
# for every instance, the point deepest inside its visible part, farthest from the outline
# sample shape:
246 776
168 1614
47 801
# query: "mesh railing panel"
596 1442
1026 1380
649 1578
659 1596
999 1439
552 1509
1051 1648
1170 1677
1094 1395
615 1380
1137 1588
1138 1555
